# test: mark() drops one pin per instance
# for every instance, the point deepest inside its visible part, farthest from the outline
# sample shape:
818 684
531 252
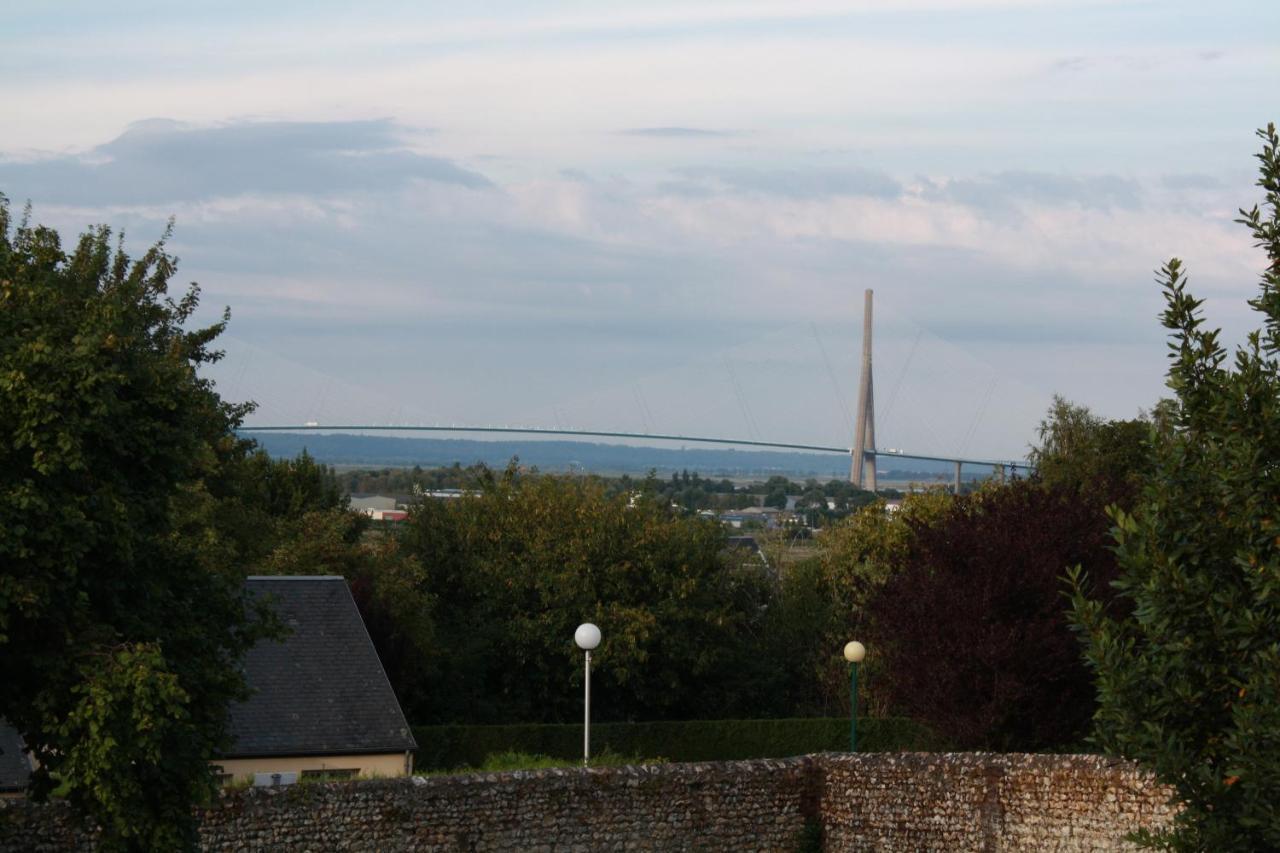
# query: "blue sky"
605 215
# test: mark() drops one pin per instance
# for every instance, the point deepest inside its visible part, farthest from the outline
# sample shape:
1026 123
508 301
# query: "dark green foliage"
452 746
248 503
388 584
515 568
118 647
970 630
1189 682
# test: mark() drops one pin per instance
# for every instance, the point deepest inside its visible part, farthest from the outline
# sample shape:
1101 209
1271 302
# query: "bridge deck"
1008 463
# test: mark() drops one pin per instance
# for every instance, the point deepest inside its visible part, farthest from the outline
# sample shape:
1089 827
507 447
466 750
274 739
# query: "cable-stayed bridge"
863 455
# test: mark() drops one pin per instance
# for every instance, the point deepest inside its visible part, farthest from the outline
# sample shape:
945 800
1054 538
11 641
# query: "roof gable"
322 690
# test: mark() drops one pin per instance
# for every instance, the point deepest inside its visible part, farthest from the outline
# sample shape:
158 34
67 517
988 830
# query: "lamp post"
854 653
587 637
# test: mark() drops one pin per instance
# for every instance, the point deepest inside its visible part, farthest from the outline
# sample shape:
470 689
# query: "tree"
515 567
856 556
118 648
970 627
388 585
1081 451
1188 681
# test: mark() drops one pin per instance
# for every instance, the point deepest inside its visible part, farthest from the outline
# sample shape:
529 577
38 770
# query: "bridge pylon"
862 470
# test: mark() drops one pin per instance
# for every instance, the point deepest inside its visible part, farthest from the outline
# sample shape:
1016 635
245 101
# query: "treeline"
818 503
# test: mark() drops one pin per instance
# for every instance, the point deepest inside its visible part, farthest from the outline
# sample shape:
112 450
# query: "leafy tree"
388 584
247 503
856 556
515 568
1189 681
970 625
118 648
803 631
1084 452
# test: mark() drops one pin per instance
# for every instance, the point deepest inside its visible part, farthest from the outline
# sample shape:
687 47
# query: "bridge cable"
831 374
742 400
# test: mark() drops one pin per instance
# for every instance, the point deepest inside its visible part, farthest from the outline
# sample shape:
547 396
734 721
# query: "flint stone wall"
986 801
885 801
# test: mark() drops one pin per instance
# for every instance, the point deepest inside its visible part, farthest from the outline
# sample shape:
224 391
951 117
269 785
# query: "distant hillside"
342 449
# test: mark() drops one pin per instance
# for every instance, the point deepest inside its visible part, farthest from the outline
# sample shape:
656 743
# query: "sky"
661 217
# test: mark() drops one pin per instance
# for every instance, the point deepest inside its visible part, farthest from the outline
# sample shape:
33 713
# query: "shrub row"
450 746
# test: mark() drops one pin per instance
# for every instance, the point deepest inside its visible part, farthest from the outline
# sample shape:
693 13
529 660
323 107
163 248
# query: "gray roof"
15 766
321 690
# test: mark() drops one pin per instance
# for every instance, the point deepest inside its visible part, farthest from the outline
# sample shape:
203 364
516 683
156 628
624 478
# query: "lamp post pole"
588 638
586 712
854 652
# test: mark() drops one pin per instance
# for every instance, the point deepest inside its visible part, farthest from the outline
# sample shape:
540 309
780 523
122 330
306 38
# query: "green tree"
1189 682
856 557
118 649
517 566
247 503
388 584
1099 458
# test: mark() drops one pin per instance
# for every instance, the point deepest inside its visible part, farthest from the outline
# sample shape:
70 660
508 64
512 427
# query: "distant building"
387 514
368 503
750 546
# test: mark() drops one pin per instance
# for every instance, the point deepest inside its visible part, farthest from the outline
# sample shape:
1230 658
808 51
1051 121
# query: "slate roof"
322 690
15 766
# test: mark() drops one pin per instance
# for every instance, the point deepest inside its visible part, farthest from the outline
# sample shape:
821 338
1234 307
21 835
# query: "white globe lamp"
587 637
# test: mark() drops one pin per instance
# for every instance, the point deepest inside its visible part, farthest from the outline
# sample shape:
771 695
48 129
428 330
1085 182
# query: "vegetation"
514 570
1188 671
971 630
1103 460
118 645
501 762
453 746
819 503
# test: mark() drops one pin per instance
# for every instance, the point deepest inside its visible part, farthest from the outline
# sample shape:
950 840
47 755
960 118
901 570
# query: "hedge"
450 746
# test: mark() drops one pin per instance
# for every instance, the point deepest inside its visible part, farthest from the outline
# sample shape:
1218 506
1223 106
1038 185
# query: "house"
15 763
322 705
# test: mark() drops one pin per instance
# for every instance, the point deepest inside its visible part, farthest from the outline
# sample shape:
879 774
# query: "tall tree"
118 648
1189 682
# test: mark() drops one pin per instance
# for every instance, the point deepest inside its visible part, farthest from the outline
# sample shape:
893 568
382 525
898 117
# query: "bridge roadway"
991 463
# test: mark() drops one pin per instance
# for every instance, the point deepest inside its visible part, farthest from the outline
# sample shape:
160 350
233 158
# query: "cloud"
677 132
796 183
1191 182
161 161
511 300
1004 193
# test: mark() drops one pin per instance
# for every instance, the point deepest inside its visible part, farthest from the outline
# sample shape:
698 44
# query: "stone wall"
885 801
985 801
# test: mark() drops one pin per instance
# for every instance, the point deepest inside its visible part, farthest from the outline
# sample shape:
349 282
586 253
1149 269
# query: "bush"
451 746
1189 679
972 630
